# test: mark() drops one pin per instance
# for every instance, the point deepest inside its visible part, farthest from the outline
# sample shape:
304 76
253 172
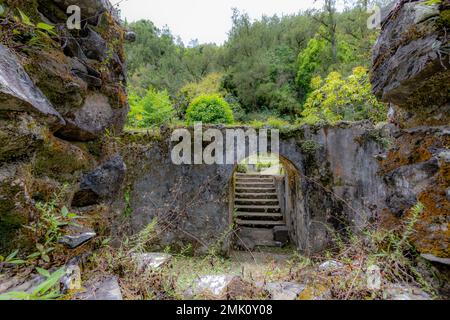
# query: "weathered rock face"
19 136
18 92
91 120
81 73
333 183
412 70
411 59
58 95
102 184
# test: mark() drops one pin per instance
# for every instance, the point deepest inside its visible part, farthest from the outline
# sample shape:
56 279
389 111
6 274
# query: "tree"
309 62
327 19
209 109
337 98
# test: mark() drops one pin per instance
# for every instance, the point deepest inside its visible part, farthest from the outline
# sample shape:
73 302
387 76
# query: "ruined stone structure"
58 98
332 183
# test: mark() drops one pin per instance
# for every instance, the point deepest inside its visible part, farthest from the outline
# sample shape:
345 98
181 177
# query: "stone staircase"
258 214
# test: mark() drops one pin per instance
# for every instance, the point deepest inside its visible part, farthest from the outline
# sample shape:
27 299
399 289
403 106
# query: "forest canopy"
268 69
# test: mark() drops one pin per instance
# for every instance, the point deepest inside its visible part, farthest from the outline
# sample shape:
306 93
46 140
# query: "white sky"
205 20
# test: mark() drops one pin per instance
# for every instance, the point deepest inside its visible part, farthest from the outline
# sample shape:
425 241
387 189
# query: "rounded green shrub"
209 108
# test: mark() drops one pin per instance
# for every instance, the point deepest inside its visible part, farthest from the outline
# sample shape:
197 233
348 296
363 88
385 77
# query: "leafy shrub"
337 98
209 109
211 84
154 109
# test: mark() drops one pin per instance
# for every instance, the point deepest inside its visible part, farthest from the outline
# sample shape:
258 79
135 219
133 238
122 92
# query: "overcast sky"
205 20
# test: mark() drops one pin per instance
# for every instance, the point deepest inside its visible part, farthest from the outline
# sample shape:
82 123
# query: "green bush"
208 85
210 108
154 109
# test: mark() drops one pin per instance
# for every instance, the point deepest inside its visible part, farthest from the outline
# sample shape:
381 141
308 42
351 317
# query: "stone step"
250 244
255 190
255 185
258 215
245 201
259 223
248 238
256 196
253 175
257 208
244 180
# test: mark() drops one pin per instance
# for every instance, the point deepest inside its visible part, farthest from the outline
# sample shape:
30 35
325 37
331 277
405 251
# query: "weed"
47 290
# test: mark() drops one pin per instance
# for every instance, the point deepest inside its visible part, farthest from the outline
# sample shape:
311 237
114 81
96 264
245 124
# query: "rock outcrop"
411 61
18 92
411 70
81 73
60 91
102 184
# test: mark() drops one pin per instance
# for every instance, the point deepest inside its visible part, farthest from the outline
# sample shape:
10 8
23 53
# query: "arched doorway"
265 194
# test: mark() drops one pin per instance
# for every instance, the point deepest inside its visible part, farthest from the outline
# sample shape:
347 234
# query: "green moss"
58 160
376 136
309 147
10 220
444 19
10 224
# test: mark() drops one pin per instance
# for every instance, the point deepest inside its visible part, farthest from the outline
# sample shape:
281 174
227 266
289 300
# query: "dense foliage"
267 68
153 109
337 98
210 108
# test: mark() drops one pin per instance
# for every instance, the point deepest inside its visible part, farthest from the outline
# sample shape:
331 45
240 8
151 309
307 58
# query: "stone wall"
411 70
332 174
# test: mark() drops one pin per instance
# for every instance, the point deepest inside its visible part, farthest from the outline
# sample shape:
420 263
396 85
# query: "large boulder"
91 120
411 65
18 92
51 72
102 184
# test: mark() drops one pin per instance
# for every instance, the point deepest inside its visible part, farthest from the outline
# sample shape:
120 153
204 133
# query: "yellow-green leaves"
46 27
337 98
209 108
25 19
